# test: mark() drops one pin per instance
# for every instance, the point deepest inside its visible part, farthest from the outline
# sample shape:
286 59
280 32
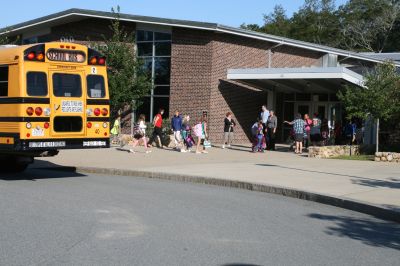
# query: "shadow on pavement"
310 171
391 183
41 170
373 233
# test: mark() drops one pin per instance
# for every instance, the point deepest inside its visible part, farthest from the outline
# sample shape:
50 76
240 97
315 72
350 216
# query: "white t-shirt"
142 126
264 116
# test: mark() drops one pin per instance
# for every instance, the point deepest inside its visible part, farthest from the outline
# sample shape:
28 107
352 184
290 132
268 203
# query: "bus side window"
3 81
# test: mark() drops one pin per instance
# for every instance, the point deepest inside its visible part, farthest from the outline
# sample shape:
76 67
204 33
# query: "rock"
389 158
377 159
378 154
383 159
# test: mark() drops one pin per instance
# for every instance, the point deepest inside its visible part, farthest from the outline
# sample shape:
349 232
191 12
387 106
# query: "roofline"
192 25
296 73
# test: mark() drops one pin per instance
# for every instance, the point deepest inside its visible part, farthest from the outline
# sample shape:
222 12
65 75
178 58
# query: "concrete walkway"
372 183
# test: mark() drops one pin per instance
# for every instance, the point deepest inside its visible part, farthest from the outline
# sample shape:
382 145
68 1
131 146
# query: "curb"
358 206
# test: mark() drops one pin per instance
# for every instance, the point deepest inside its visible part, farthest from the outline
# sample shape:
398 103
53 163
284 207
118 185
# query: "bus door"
68 103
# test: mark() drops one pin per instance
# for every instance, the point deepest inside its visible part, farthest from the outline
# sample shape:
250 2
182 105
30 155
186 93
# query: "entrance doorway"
312 108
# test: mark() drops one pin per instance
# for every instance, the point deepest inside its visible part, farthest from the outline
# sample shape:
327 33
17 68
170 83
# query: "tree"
378 98
316 22
128 81
367 25
277 23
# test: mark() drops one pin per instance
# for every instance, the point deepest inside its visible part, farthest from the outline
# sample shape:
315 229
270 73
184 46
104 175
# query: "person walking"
176 125
299 129
229 124
186 136
199 133
115 131
157 131
272 125
139 134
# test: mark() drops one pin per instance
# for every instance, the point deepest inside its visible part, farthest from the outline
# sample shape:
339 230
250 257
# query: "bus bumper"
38 145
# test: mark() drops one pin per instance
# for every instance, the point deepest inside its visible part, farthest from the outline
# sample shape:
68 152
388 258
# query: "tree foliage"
127 80
359 25
379 98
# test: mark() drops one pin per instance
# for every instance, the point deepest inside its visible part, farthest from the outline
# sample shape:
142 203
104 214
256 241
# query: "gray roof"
76 14
384 56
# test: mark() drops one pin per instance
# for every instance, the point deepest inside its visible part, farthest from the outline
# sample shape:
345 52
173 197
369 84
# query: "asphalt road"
59 218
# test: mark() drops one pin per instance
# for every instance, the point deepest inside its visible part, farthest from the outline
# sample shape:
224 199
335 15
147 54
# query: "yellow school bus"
52 96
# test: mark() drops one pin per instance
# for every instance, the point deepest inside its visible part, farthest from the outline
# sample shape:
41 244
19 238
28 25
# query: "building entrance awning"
323 79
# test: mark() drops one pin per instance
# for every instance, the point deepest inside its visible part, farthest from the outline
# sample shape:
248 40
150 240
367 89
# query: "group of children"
185 135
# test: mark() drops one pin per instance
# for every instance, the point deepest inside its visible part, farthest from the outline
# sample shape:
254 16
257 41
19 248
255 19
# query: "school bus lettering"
66 56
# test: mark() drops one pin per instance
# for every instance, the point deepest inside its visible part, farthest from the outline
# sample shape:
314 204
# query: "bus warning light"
97 111
29 111
31 56
38 111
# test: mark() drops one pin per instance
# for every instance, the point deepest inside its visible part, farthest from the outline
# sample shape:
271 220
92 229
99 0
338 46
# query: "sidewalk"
376 184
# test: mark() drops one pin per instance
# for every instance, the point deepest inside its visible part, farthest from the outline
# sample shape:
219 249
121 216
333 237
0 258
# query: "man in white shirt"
264 116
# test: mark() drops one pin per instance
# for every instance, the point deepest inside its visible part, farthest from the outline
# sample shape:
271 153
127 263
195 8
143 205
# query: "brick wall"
191 58
226 96
200 61
284 56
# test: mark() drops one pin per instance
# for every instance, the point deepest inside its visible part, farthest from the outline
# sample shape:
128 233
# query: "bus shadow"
41 170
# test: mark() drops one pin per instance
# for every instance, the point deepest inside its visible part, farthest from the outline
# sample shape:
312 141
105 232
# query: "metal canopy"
301 80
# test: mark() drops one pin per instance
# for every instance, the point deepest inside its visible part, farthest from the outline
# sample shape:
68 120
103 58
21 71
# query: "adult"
272 125
350 132
264 116
139 134
298 128
157 128
309 124
229 124
315 132
176 125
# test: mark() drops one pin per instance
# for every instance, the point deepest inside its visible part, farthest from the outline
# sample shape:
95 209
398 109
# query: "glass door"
302 108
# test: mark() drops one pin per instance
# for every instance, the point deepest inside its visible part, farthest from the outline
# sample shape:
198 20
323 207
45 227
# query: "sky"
227 12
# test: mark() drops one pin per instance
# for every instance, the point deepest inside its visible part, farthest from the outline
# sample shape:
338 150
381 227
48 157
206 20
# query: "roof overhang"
78 14
329 79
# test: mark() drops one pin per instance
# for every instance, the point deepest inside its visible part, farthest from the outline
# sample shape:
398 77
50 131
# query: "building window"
154 51
3 81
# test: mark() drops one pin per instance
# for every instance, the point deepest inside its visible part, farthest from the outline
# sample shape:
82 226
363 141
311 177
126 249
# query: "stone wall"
333 151
391 157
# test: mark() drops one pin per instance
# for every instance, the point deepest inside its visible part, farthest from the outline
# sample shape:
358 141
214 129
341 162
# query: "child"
186 136
260 138
139 133
115 130
198 132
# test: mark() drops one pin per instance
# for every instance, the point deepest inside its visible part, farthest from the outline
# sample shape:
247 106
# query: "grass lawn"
356 157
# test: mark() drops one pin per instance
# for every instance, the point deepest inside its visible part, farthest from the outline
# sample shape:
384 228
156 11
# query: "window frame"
104 86
47 84
6 81
70 74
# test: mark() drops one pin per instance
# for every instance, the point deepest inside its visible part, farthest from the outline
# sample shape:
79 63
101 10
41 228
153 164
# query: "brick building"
205 67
